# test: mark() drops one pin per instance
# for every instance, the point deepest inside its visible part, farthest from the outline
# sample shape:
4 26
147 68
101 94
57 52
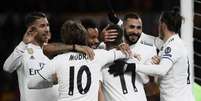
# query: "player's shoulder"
175 43
146 46
99 51
147 40
32 50
62 57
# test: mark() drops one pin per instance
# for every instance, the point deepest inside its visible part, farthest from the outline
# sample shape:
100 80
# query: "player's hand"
29 35
151 88
137 56
155 60
120 66
86 50
109 35
55 79
113 17
125 49
117 68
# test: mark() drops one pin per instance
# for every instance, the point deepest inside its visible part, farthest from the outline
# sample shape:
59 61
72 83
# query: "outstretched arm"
53 49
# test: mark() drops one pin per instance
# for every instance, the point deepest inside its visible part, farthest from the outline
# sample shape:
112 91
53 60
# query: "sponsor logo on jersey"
33 71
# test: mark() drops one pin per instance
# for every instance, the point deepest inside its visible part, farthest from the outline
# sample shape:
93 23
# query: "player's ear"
164 26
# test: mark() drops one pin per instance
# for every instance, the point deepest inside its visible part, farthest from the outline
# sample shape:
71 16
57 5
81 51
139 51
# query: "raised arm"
14 60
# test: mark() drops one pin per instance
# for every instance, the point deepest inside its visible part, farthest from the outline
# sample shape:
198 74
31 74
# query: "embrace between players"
119 72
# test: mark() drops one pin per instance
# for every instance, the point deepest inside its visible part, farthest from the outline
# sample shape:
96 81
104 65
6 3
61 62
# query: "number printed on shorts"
81 90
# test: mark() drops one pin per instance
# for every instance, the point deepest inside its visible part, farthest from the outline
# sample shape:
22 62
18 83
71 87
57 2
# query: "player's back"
78 76
122 88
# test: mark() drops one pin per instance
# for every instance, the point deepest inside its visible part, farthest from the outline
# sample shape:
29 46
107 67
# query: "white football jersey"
78 77
174 71
23 58
123 88
176 84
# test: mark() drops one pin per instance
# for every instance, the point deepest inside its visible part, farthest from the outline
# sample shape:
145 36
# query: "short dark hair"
118 39
172 19
89 23
73 33
33 16
132 15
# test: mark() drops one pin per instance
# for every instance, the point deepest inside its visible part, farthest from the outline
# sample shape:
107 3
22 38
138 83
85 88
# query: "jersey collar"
172 38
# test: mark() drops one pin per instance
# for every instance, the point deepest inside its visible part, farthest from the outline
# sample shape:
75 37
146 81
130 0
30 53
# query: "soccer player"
78 77
174 67
93 34
29 53
145 38
127 87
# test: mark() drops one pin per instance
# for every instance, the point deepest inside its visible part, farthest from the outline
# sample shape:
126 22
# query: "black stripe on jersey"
168 59
188 71
41 75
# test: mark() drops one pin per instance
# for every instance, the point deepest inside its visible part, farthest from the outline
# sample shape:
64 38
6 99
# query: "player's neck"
37 43
168 34
110 46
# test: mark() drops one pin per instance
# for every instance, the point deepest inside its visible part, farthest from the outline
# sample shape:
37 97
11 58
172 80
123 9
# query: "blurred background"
12 27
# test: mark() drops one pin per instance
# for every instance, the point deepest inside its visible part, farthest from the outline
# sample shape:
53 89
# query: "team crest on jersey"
167 52
30 50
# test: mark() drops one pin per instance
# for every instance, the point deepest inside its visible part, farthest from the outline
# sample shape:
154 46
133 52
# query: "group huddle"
116 63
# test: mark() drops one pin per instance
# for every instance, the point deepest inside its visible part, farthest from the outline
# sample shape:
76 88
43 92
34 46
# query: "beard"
132 38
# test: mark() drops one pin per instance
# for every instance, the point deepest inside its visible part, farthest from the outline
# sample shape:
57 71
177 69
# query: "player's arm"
53 49
45 78
100 92
14 60
160 69
114 19
151 87
108 35
38 82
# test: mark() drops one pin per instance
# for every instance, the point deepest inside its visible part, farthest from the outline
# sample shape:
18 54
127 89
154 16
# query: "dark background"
12 27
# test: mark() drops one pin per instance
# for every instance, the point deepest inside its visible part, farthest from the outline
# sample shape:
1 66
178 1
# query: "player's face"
132 30
43 31
93 37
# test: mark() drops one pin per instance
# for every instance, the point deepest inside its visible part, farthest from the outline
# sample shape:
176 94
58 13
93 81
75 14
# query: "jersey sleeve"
171 53
15 59
155 70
